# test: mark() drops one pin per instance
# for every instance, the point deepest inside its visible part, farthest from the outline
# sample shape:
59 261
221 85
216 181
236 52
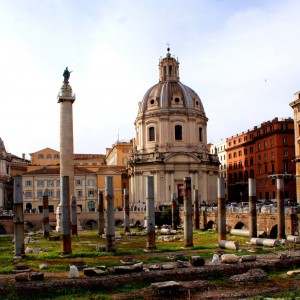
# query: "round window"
177 100
152 101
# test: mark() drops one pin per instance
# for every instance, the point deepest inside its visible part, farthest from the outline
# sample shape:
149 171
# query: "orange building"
258 153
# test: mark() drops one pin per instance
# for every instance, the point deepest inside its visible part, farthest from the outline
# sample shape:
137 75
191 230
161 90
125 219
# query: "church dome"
169 95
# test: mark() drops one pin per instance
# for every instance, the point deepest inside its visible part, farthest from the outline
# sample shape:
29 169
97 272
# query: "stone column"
110 215
150 213
196 209
175 212
252 209
46 213
126 211
74 216
18 218
280 207
188 213
1 196
100 210
221 210
65 216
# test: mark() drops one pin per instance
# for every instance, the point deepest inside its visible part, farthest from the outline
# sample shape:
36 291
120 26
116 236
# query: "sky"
241 57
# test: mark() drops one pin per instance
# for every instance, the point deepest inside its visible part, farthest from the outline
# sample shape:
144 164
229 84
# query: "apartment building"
258 153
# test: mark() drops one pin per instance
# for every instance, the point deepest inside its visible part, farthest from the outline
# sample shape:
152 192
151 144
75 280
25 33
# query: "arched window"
178 132
151 134
56 156
40 156
49 156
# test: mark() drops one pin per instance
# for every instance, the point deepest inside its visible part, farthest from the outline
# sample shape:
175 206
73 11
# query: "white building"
171 141
220 150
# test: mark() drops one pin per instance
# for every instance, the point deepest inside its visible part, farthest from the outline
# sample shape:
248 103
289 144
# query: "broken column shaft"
46 213
18 217
221 210
188 213
100 213
65 216
280 207
150 213
175 212
110 215
126 211
196 210
252 209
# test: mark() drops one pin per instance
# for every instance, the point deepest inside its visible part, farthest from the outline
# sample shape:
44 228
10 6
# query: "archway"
273 232
91 224
2 229
119 223
240 225
210 225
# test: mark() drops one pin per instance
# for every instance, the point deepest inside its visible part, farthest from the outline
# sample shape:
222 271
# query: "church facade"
171 142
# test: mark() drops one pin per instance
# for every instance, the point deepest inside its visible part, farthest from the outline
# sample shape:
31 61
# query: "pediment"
182 158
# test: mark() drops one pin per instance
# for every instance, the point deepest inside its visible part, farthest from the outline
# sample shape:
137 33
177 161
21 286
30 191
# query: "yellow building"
36 181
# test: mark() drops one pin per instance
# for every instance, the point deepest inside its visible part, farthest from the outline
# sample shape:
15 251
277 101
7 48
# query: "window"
125 151
251 136
259 157
27 182
91 182
229 144
57 182
257 133
229 155
151 132
266 156
56 156
285 153
178 132
40 194
284 141
272 155
58 194
200 134
50 183
245 138
251 149
251 162
40 183
79 193
258 146
245 151
265 144
234 142
91 193
266 169
78 182
124 161
50 193
284 126
286 167
240 153
28 194
272 143
259 170
273 169
246 162
91 206
40 156
49 156
234 154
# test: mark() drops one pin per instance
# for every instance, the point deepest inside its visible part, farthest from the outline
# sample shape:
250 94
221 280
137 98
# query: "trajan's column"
66 99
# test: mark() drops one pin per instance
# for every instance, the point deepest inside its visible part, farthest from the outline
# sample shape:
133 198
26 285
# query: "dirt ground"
196 282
